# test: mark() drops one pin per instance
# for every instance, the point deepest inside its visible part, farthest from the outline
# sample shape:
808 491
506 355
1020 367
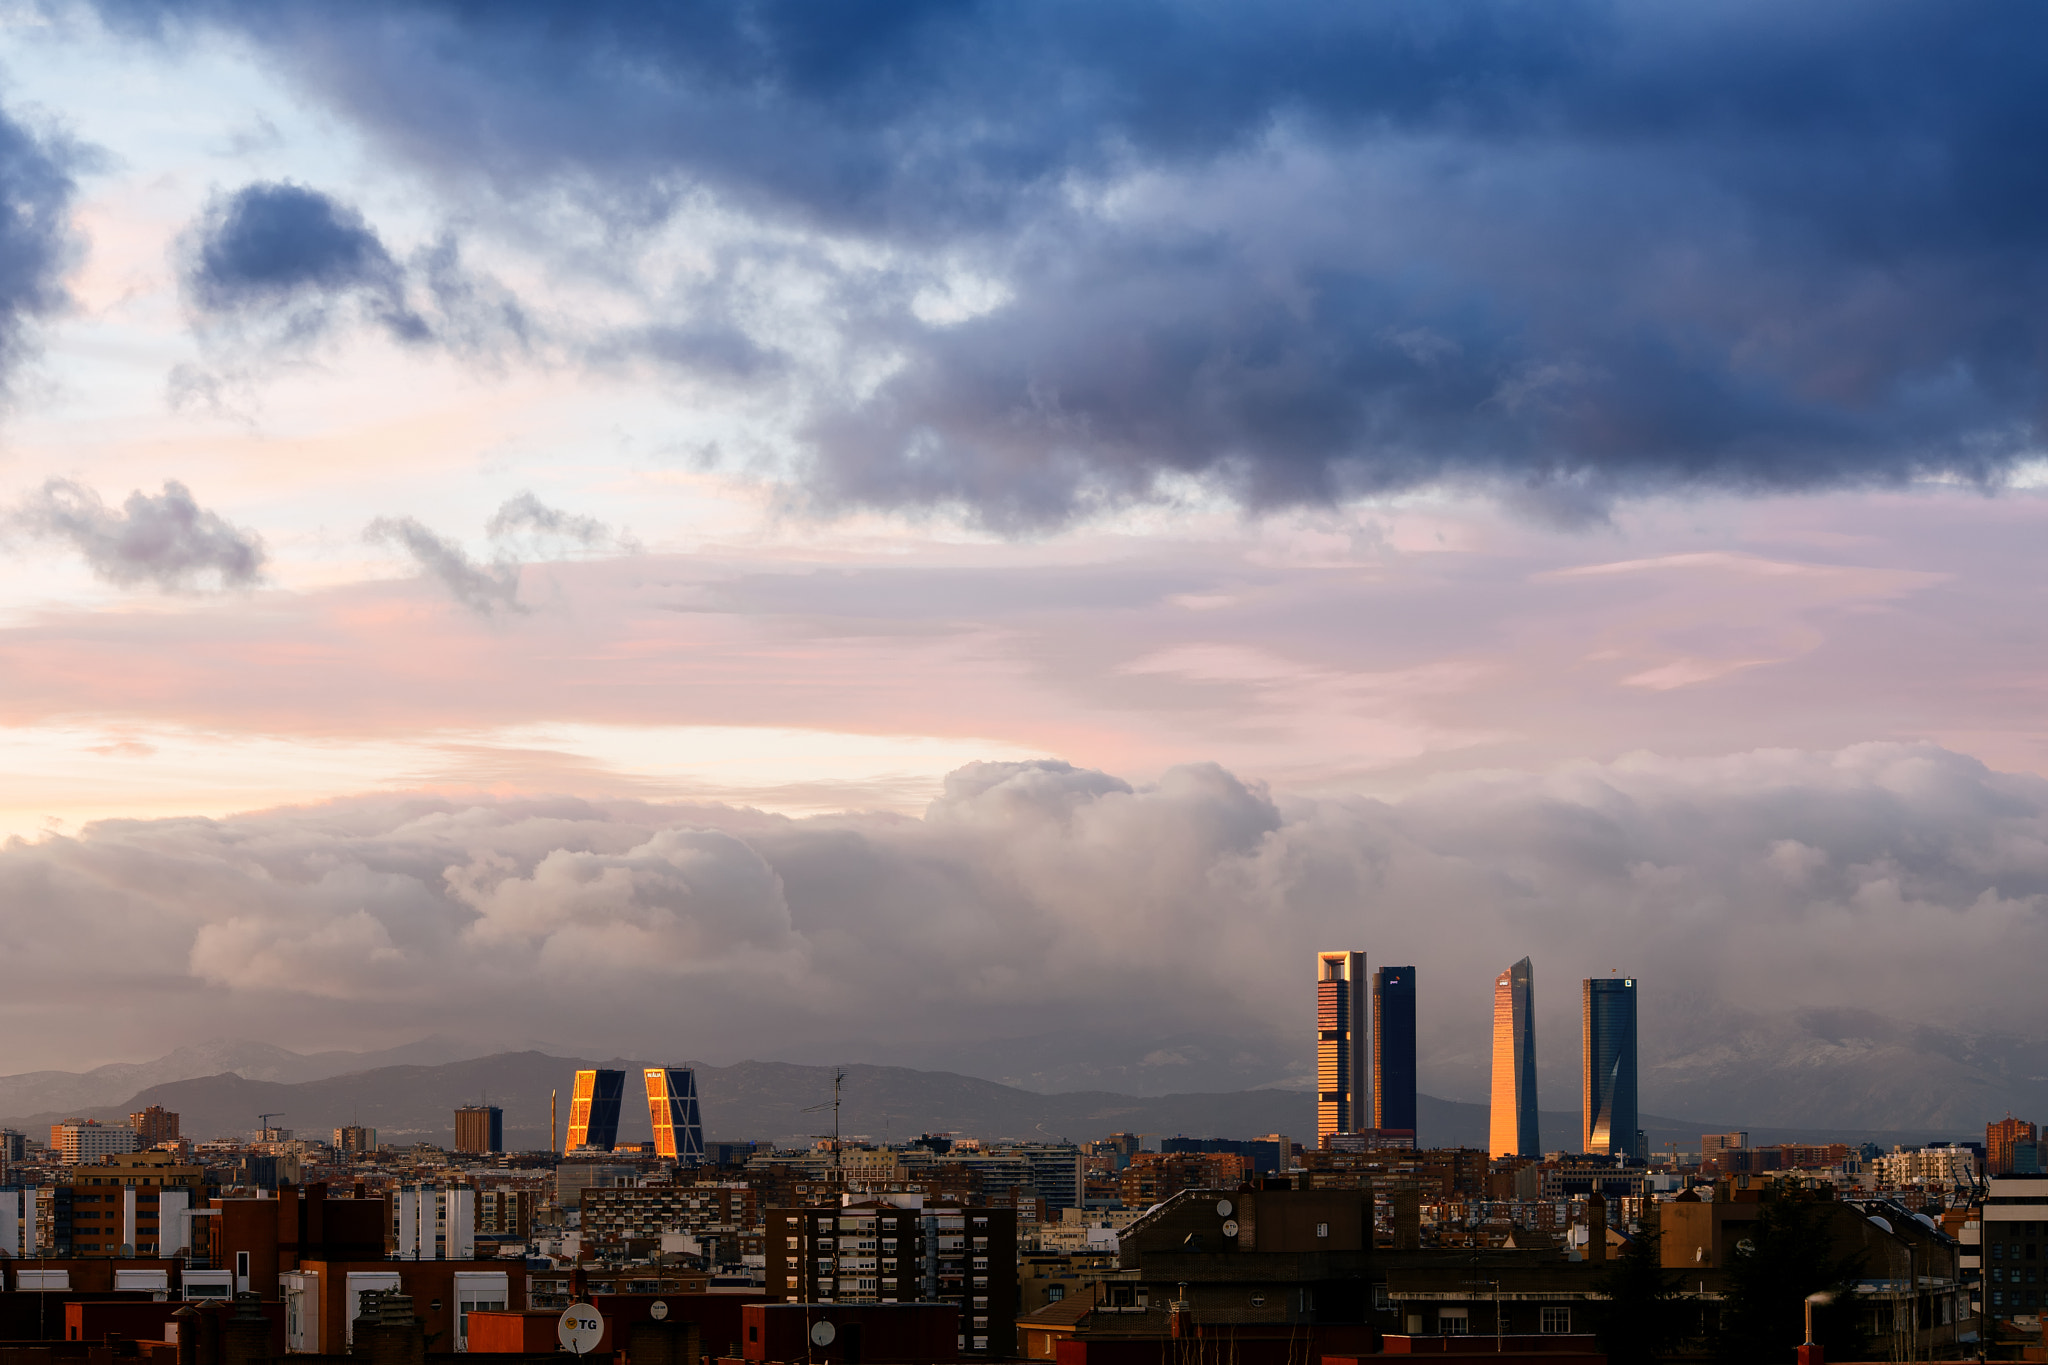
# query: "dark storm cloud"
1310 249
285 250
36 244
168 540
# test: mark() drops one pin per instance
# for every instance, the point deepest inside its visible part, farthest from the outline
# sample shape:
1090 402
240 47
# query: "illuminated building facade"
1512 1114
594 1110
672 1109
1341 1075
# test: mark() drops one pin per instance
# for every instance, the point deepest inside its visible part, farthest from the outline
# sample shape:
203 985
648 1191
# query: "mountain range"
781 1102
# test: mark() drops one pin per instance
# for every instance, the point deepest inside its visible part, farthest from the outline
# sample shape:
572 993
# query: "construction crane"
263 1133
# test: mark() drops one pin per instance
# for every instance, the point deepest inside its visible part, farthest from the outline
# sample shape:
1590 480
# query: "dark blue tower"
1393 1048
1607 1057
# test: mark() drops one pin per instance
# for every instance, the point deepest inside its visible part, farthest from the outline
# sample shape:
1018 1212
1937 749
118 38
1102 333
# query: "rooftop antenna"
837 1077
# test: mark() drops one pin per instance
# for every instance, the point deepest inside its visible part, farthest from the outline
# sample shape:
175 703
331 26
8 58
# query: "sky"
719 519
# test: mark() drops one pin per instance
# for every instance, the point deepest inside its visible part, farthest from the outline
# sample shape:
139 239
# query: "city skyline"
604 550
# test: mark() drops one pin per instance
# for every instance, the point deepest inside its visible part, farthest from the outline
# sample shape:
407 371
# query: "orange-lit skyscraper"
1512 1114
1999 1140
594 1110
1342 1105
672 1109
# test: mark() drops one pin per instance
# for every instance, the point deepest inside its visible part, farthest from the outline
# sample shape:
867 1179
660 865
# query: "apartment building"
899 1250
86 1141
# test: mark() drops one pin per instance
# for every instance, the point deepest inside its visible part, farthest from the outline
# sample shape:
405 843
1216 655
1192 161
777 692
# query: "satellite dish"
1881 1222
1223 1208
580 1329
1230 1227
1927 1222
822 1333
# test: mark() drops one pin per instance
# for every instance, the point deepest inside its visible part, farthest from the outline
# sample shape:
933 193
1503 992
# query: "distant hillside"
35 1092
768 1100
750 1100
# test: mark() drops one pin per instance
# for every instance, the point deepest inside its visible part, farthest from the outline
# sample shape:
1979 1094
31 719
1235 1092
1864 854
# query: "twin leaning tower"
671 1107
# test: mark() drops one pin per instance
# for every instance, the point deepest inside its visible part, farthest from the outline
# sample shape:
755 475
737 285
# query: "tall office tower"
1512 1117
355 1140
2001 1138
153 1125
672 1108
594 1110
1341 1075
479 1128
1393 1048
1607 1067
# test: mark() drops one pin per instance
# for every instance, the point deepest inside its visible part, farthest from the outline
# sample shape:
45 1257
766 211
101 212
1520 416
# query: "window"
1380 1301
1055 1293
1322 1229
1557 1320
1453 1322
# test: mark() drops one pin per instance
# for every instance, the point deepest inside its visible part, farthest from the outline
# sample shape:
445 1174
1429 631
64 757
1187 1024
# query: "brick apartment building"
902 1250
623 1213
153 1127
2003 1142
131 1204
479 1129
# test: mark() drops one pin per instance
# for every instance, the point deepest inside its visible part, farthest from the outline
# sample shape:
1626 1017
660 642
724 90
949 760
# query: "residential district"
1362 1238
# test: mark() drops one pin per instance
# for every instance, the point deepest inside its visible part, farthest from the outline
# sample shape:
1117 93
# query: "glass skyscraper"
1607 1061
1393 1048
1512 1124
1341 1076
594 1110
672 1109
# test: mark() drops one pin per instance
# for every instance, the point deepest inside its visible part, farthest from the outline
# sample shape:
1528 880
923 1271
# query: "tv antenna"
838 1076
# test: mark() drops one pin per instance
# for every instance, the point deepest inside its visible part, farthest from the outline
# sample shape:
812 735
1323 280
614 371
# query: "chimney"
245 1336
185 1322
1596 1227
1407 1219
387 1333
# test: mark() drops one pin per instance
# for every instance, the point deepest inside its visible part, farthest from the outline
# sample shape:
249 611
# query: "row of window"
1456 1322
1998 1251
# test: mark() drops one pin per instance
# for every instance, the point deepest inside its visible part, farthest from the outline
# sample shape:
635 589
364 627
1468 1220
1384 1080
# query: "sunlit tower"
1342 1105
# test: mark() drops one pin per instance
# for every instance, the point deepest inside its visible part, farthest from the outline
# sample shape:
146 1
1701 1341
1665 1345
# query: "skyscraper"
1341 1075
1393 1048
479 1128
1512 1117
672 1108
1607 1062
594 1110
2000 1141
